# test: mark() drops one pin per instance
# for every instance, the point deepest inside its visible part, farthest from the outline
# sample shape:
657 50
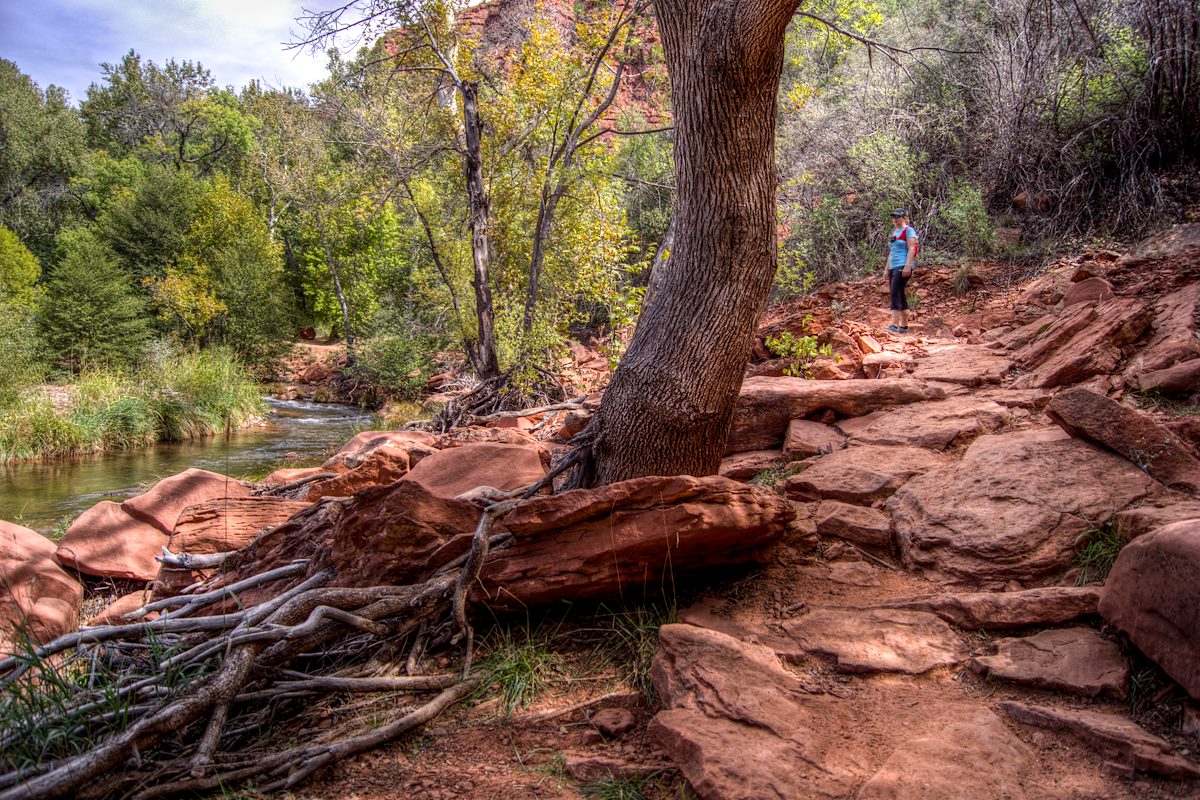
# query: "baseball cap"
899 212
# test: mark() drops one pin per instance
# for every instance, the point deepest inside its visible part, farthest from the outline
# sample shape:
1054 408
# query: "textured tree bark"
669 406
486 363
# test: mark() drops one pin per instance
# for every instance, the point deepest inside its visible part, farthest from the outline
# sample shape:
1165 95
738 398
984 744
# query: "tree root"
195 712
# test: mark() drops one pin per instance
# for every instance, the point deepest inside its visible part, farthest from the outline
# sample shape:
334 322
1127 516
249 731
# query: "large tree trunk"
669 406
486 363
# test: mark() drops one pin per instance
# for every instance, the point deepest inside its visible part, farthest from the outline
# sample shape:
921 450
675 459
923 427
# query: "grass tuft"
1096 550
520 664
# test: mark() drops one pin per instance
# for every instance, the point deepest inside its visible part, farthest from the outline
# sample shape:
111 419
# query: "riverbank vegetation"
172 397
494 180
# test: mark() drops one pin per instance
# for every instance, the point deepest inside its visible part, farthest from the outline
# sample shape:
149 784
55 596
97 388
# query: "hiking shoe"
894 329
902 330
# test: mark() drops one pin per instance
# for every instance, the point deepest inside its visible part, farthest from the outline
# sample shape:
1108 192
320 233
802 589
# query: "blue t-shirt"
898 246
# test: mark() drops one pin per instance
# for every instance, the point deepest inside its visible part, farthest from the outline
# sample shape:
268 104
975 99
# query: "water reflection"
38 495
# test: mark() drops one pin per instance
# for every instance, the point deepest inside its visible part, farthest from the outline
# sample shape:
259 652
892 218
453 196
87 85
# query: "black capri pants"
897 282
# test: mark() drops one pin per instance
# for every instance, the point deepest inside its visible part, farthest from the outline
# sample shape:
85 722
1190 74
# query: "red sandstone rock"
384 465
744 466
971 365
115 612
451 472
886 364
1183 378
1113 735
861 474
859 524
1163 511
1051 605
108 542
288 475
1128 433
36 594
1173 337
878 639
1153 595
806 438
1011 509
767 405
355 451
1074 660
162 504
1087 339
935 426
1088 290
737 725
629 537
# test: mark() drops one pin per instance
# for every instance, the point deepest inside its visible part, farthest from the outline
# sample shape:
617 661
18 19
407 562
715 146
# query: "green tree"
19 270
41 143
91 314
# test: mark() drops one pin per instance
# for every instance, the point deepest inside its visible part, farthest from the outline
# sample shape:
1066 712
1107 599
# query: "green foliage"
173 398
772 477
800 349
91 315
396 363
1096 550
24 356
19 270
519 665
41 144
964 221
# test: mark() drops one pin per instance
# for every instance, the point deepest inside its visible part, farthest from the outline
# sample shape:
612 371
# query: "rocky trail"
898 586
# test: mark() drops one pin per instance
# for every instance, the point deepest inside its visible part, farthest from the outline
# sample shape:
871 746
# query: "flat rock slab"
967 365
935 426
878 639
738 725
1086 339
1074 660
743 466
807 438
452 472
1051 605
766 405
858 524
1153 595
861 474
107 542
1135 522
1011 509
1115 736
1128 433
933 763
166 500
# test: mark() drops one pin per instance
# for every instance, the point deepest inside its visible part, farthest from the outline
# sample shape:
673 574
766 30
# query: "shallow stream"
40 495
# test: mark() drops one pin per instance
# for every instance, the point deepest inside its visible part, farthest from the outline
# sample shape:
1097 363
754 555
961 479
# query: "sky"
64 41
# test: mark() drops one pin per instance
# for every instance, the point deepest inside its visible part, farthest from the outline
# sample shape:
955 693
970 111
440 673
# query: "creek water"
40 495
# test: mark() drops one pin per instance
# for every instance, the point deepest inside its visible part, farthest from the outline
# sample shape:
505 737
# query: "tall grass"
179 396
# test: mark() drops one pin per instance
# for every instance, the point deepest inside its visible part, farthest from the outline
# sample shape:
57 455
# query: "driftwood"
217 675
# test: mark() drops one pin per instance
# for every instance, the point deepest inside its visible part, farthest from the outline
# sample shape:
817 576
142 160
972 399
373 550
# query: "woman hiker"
902 255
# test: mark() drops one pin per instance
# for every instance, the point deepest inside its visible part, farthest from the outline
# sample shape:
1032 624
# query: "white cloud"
64 41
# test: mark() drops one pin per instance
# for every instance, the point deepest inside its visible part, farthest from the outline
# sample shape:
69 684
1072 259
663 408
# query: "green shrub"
800 349
23 353
395 363
964 220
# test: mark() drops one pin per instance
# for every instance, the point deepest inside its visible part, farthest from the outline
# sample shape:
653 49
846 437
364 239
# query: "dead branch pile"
203 684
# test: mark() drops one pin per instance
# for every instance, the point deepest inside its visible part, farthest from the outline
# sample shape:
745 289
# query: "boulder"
384 465
1115 736
1173 339
806 438
162 504
36 595
868 344
1183 378
929 764
1087 291
861 474
1073 660
316 372
936 426
1049 605
1128 433
629 537
1152 594
291 474
966 365
877 639
858 524
1087 339
220 526
766 405
886 362
737 724
744 466
1134 522
108 542
613 722
451 472
115 612
355 452
1011 509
